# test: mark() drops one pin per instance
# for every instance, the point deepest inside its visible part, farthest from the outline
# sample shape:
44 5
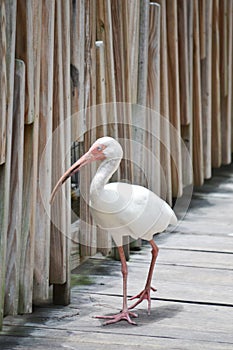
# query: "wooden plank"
185 116
226 82
41 258
153 100
174 95
197 112
77 41
30 177
16 188
133 27
3 84
139 115
24 48
61 291
57 274
5 170
88 239
165 184
216 146
206 84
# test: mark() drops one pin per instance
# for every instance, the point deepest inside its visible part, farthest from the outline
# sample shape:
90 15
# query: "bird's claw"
123 315
143 295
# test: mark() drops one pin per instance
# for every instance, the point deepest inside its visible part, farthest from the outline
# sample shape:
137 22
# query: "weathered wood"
174 95
24 48
41 260
87 229
226 78
30 176
165 161
216 145
185 116
16 188
60 234
153 100
206 84
197 112
3 83
77 41
139 116
57 274
5 169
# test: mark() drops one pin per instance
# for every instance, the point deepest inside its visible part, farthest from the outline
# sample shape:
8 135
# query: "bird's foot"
143 295
123 315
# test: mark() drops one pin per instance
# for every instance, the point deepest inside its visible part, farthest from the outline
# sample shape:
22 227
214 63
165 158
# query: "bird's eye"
99 148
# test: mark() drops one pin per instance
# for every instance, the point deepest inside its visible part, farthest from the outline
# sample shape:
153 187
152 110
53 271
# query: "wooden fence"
59 58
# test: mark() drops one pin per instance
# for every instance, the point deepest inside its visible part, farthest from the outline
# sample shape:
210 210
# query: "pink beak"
85 159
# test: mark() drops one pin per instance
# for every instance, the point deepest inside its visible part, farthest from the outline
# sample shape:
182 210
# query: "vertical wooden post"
16 188
206 83
174 95
165 183
216 145
42 248
9 7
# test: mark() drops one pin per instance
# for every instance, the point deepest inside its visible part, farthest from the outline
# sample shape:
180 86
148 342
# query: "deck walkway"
192 309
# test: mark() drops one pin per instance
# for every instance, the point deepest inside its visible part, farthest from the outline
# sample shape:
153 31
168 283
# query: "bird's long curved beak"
85 159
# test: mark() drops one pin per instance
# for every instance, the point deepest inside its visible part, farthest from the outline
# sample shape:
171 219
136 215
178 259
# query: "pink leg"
125 313
145 294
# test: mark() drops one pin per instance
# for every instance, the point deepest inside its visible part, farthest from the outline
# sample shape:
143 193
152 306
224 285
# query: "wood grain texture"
226 78
88 239
16 188
30 182
153 100
185 116
24 48
3 83
42 248
5 170
174 95
206 84
139 118
216 144
77 49
165 161
197 111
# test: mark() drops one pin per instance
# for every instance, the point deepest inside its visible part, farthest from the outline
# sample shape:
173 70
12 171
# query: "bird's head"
102 149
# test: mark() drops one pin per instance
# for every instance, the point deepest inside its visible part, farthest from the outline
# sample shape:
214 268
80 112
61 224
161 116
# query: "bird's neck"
105 171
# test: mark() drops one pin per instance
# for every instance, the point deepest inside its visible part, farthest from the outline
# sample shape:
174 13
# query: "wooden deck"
192 309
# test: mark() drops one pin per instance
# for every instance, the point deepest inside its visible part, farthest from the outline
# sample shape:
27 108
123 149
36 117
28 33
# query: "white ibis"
122 209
